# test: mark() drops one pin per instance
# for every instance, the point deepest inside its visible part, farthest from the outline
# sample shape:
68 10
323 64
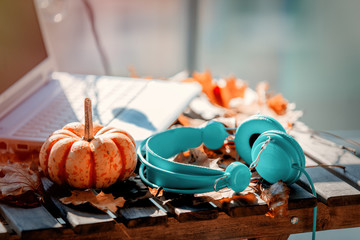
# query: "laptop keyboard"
109 96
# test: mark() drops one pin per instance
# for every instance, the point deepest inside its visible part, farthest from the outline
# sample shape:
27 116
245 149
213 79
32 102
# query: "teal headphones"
283 158
260 141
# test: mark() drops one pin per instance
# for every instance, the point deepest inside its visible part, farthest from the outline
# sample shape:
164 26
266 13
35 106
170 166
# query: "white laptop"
35 100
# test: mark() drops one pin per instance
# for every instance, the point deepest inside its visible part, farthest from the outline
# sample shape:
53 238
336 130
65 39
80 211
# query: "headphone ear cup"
250 130
214 135
282 158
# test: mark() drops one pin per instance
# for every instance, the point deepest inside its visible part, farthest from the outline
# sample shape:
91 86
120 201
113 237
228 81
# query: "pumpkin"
88 156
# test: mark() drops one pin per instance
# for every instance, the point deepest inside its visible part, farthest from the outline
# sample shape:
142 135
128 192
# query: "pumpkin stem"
89 134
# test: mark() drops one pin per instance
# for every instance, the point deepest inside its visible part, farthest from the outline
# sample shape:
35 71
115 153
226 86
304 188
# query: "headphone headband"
280 161
185 178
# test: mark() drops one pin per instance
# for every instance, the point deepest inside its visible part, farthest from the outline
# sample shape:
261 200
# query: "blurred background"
308 50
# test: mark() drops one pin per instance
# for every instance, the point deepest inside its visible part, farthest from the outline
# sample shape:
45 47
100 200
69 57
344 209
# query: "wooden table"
187 217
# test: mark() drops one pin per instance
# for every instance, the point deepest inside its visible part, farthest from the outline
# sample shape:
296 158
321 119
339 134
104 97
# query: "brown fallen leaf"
227 151
194 156
101 201
189 122
226 196
19 185
276 197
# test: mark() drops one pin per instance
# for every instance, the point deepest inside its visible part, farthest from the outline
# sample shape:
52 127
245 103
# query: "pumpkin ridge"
75 128
62 174
103 130
132 140
46 160
122 132
123 159
92 173
68 133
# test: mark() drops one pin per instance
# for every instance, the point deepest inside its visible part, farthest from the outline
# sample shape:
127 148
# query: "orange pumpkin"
87 156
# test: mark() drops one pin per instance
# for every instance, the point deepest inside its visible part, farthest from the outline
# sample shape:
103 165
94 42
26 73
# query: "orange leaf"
101 201
218 96
219 93
248 198
278 104
206 81
236 87
229 89
156 192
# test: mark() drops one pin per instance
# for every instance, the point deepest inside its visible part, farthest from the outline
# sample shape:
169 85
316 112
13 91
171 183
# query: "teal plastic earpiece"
214 135
262 142
283 155
282 158
250 130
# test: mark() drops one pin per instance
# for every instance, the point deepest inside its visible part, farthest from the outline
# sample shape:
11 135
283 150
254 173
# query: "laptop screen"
21 42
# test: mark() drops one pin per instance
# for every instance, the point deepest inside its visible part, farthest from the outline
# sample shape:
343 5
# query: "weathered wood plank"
189 208
84 219
141 213
225 227
300 198
84 222
132 189
247 205
31 223
4 234
252 204
140 209
330 189
326 152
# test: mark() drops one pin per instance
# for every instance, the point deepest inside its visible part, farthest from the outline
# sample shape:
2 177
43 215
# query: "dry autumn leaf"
226 196
19 185
189 122
156 192
278 103
276 197
236 87
219 92
194 156
101 201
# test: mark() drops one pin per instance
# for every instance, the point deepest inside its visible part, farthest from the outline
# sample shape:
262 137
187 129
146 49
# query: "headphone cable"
315 195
